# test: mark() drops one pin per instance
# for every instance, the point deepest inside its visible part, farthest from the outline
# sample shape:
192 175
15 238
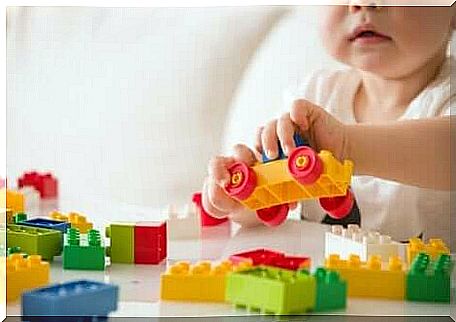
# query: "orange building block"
370 279
24 274
433 248
14 200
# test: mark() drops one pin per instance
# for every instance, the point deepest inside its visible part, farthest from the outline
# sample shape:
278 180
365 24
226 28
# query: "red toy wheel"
338 207
273 216
242 181
305 165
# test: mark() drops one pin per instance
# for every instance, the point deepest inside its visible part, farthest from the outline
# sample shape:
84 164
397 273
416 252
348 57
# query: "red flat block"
292 262
206 219
45 183
150 242
257 257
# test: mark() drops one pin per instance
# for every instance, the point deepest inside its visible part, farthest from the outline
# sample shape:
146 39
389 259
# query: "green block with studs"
19 217
429 281
83 251
331 293
271 290
35 241
122 242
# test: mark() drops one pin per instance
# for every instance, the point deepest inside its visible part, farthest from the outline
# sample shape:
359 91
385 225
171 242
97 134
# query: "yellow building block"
24 274
200 282
14 200
433 248
77 220
370 279
275 185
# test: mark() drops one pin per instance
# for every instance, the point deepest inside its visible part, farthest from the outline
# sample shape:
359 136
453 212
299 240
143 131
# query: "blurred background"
128 104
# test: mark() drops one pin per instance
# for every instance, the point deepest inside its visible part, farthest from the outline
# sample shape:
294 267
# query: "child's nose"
357 5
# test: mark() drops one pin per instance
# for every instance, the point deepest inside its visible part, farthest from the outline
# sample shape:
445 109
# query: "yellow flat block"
24 274
433 248
275 185
14 200
202 282
77 220
370 279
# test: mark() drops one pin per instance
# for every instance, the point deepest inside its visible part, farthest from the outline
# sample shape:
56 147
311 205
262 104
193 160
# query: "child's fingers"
220 199
285 131
218 169
258 143
207 204
269 139
302 113
242 153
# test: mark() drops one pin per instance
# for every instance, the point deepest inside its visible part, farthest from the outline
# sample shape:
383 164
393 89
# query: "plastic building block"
14 200
31 198
77 220
271 258
8 215
183 226
331 291
46 223
434 248
354 240
200 282
57 215
206 219
15 250
45 183
122 247
24 273
35 241
19 217
370 279
271 290
84 252
77 298
428 280
150 242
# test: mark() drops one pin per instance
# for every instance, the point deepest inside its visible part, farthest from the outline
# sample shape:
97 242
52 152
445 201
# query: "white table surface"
139 284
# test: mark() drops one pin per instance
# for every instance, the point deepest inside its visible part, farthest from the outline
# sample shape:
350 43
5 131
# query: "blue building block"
46 223
85 299
298 140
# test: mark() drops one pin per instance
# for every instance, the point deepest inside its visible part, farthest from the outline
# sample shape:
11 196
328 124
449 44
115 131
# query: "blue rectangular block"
78 298
46 223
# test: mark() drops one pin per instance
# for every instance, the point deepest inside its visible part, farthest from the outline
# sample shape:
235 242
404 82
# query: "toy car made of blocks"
268 187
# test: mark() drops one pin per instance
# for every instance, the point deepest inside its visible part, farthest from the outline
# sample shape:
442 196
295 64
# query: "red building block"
150 242
271 258
45 183
206 219
292 262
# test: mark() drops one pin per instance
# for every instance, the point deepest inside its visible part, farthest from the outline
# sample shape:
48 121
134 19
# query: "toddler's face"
388 41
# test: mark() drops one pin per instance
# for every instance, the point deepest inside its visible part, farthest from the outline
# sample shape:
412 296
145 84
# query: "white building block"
32 198
185 225
357 241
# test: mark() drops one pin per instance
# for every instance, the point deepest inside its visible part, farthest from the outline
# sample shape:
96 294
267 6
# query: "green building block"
122 244
271 290
429 281
45 242
331 293
19 217
83 251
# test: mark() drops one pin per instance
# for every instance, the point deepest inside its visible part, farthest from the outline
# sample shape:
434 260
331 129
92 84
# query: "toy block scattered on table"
122 247
24 273
77 220
272 258
83 251
331 292
77 298
271 290
14 200
428 280
354 240
150 242
31 198
57 215
203 281
44 183
206 219
183 226
46 223
35 241
434 248
370 279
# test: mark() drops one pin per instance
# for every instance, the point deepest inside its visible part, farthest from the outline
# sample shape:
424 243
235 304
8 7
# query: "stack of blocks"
139 243
45 183
24 273
357 241
200 282
85 252
433 248
370 279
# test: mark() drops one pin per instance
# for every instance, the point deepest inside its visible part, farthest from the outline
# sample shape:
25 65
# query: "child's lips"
364 35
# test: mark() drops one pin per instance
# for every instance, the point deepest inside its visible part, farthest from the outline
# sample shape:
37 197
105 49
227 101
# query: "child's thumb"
242 153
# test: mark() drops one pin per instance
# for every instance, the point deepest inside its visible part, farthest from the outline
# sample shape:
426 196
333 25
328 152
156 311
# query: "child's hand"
322 130
215 199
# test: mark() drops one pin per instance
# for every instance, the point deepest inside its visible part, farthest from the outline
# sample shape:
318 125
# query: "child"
389 113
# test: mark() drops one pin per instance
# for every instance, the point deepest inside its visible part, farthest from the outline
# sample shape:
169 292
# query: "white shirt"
399 210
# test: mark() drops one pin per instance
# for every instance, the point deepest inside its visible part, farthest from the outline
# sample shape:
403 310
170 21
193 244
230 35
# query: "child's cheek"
332 31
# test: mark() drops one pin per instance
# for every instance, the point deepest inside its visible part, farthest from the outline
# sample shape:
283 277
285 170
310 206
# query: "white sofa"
129 104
